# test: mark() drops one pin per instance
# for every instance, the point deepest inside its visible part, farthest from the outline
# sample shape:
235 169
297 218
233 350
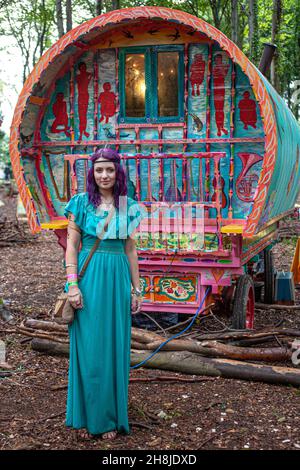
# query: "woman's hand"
75 297
136 302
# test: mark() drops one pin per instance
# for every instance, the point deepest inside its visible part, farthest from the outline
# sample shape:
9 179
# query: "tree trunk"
189 363
276 20
234 21
59 19
45 325
277 306
115 4
216 349
50 347
69 14
253 31
215 8
98 7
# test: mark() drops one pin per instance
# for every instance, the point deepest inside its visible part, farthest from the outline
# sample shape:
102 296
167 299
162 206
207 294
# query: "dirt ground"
215 413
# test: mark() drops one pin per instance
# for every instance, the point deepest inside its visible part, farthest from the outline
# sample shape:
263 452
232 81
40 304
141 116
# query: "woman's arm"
130 250
73 242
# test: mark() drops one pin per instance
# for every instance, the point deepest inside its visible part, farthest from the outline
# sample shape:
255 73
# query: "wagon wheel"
244 303
269 277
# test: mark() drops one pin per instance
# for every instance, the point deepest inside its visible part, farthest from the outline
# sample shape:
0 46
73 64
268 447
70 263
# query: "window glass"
135 85
167 82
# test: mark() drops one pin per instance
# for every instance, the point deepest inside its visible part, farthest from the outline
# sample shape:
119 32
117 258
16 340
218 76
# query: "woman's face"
105 174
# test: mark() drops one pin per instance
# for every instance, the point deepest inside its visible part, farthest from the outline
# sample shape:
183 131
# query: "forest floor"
217 413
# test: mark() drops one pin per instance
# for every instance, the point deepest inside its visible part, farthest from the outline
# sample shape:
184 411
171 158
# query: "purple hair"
120 187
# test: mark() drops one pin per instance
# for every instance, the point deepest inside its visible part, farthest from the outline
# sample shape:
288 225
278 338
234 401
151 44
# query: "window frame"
151 83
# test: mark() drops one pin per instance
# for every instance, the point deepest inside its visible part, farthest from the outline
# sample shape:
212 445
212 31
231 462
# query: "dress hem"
119 430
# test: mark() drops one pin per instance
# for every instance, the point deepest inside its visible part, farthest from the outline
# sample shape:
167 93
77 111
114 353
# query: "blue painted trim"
151 98
122 54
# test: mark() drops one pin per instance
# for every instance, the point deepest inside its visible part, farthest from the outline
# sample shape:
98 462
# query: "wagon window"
167 83
135 85
151 83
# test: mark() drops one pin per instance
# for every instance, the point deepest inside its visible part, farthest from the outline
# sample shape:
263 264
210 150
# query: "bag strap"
109 217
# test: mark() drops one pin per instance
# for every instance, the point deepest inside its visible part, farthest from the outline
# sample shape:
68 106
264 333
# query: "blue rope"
177 334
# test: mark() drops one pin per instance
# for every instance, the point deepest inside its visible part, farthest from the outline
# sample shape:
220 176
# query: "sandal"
83 434
109 435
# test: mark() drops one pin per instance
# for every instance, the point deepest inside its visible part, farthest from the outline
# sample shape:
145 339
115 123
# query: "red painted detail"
107 100
197 74
247 108
60 123
219 73
250 309
217 273
223 195
245 183
115 17
44 189
82 80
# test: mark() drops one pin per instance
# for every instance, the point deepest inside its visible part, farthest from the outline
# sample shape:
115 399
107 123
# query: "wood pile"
225 354
12 231
289 228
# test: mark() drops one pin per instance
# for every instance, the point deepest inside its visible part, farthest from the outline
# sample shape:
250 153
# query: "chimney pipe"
266 58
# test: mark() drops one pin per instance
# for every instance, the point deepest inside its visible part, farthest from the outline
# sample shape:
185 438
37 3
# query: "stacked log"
224 354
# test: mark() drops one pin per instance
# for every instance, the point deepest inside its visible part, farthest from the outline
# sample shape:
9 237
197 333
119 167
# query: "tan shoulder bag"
63 309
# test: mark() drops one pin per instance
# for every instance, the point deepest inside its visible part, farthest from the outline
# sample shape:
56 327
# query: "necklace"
107 203
103 205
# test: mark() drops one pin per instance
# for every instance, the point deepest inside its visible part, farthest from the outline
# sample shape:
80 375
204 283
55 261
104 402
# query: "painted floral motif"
176 289
143 284
185 242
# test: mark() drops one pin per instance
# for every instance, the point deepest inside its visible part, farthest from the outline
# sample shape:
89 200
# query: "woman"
100 333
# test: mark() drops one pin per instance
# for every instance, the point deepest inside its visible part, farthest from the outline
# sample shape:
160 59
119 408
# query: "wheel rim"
250 309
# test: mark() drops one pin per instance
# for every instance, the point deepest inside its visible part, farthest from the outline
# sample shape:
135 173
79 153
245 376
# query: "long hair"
120 187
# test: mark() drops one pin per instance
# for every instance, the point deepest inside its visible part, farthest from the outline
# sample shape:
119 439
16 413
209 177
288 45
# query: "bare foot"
109 435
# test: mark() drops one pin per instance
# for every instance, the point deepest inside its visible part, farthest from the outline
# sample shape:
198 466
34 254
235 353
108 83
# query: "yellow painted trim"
55 224
232 229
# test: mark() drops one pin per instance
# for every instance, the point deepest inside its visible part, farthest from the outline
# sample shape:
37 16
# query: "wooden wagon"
196 124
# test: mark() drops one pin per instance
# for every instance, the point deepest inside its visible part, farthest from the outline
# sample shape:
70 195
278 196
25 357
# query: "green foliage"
4 152
32 25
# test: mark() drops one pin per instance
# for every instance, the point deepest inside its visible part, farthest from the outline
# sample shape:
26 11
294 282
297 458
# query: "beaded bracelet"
71 264
73 283
72 276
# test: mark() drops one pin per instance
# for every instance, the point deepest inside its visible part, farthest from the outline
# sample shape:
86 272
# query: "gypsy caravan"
195 122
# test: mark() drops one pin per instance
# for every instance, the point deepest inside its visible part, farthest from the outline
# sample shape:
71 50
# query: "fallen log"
194 364
210 349
240 334
190 363
249 341
216 349
50 347
277 307
143 336
137 345
242 353
41 334
45 325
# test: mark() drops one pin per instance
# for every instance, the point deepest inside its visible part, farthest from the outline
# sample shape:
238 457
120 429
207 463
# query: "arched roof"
114 18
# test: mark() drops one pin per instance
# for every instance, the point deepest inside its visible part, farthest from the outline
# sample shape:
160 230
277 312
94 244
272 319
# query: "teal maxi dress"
99 358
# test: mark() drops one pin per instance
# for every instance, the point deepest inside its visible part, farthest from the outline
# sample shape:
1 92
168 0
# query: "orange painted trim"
166 14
